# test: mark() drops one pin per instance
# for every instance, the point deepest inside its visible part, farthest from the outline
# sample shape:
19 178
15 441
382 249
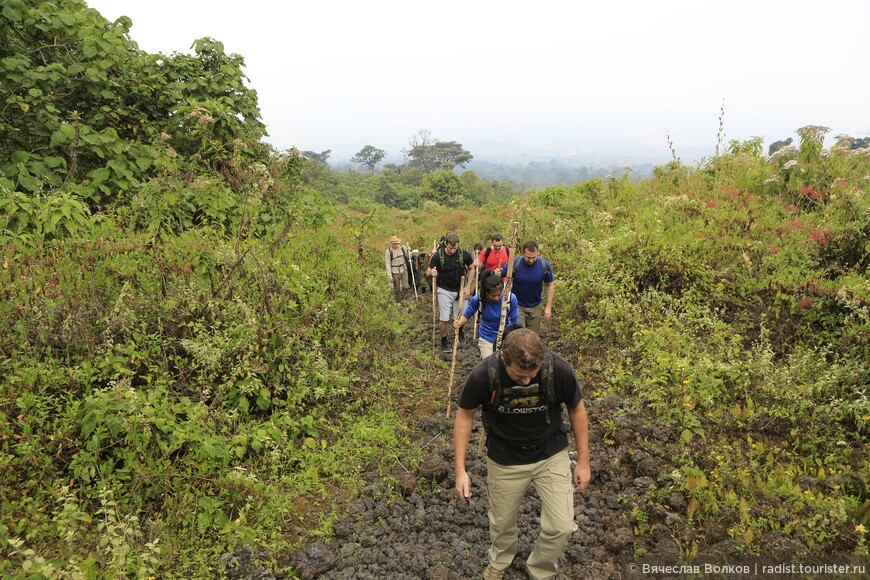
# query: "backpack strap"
540 261
548 389
494 379
404 254
488 251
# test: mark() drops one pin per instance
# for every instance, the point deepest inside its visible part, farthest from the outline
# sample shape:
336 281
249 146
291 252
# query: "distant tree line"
429 174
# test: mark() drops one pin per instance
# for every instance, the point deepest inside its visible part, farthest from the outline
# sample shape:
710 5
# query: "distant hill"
536 174
532 174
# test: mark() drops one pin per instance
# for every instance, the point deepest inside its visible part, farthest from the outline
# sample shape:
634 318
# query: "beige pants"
399 284
506 486
485 347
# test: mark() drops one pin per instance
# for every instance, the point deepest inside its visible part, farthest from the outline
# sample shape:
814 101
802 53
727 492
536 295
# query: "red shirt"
495 260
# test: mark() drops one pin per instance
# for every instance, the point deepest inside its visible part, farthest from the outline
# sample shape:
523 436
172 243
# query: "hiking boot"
444 345
491 573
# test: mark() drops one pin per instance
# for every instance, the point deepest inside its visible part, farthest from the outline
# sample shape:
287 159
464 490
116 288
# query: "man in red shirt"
493 257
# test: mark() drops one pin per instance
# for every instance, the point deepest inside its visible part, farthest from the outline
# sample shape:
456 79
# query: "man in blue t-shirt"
531 274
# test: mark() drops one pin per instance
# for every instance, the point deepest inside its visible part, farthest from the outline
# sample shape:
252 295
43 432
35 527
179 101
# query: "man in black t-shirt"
449 264
521 392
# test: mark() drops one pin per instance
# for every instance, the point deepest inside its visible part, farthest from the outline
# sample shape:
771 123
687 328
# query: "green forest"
192 323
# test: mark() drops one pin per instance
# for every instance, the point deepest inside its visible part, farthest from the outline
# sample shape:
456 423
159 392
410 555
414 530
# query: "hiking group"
519 386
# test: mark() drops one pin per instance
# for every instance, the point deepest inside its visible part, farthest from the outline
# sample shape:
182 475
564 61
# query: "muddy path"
410 524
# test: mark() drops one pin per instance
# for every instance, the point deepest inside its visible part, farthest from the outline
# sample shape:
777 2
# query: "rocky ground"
425 531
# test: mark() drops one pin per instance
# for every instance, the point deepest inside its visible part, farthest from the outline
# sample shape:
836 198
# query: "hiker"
478 249
489 304
448 264
413 271
531 274
494 257
397 259
424 282
526 443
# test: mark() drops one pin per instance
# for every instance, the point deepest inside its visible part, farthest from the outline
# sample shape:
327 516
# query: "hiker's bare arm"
580 426
461 435
548 305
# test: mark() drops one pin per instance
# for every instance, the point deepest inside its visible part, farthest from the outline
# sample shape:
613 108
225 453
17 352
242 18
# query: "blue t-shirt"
528 281
491 315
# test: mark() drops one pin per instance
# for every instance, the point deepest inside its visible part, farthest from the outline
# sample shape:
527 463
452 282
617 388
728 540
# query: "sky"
550 78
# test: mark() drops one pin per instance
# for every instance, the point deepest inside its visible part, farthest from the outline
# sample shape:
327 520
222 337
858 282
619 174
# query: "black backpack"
496 392
440 253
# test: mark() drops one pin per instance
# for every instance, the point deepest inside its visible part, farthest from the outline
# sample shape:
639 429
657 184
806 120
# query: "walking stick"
506 298
434 289
413 279
455 343
473 284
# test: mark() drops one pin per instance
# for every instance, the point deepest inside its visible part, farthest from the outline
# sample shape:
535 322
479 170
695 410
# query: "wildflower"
786 151
812 193
813 131
789 164
805 303
772 179
795 224
860 528
820 237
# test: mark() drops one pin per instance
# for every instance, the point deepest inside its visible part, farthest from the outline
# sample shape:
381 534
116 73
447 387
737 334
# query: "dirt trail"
429 533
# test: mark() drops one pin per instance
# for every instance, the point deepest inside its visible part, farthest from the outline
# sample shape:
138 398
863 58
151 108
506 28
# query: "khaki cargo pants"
506 486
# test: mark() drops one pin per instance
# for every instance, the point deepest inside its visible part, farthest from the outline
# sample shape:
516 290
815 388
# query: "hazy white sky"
568 76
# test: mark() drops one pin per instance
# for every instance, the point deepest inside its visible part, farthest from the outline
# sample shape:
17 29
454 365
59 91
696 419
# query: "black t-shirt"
517 430
451 273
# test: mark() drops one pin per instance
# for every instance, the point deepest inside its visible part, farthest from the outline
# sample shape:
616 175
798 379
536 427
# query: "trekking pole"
455 343
473 284
413 280
434 288
506 298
